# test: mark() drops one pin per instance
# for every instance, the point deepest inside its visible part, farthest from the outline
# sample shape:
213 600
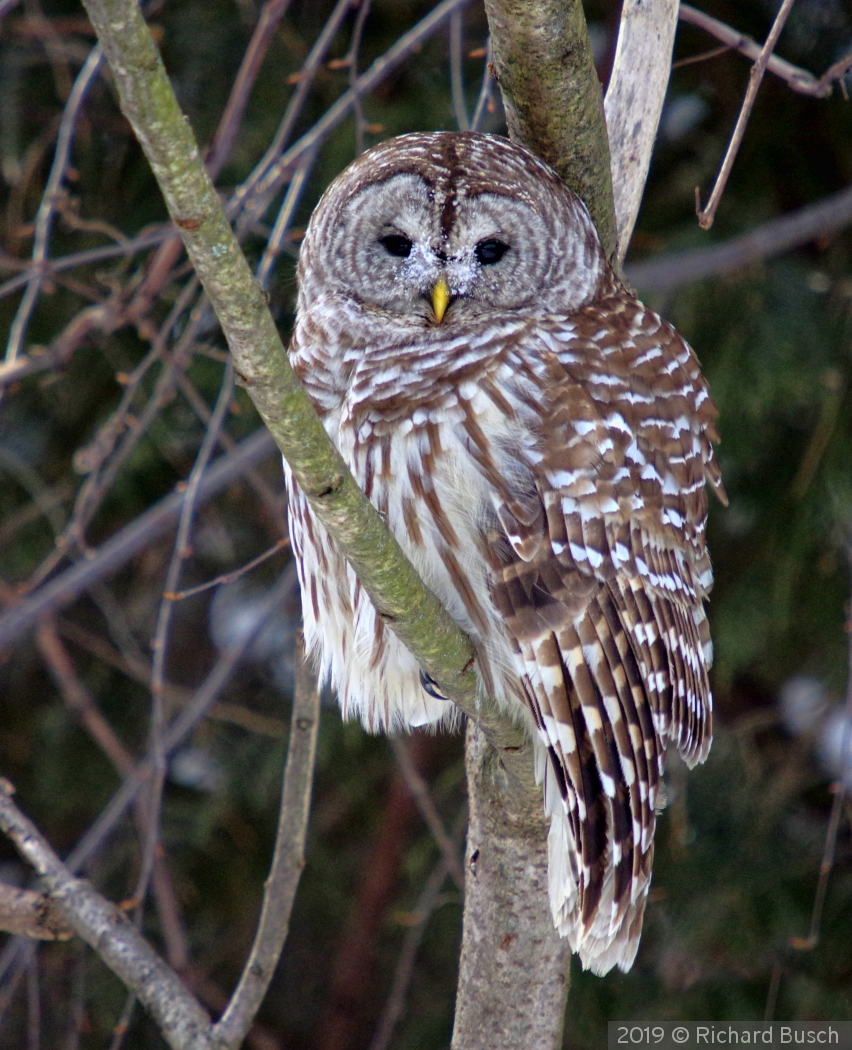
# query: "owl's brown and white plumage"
540 451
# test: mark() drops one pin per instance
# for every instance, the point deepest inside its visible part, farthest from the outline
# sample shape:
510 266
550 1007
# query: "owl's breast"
437 471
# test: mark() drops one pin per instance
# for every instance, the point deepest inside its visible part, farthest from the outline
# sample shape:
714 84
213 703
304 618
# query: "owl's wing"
602 594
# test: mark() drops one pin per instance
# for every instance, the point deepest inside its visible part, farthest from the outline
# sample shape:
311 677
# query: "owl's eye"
396 245
488 252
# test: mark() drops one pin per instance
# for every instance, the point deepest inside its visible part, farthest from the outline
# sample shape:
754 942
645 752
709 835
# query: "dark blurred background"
739 850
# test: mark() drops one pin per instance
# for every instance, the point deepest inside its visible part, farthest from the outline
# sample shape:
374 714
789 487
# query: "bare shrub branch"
707 214
287 862
795 77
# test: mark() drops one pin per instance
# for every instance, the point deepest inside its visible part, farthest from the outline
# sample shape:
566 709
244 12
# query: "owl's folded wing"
602 591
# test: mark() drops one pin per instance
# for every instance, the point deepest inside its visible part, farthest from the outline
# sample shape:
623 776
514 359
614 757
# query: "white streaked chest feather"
412 446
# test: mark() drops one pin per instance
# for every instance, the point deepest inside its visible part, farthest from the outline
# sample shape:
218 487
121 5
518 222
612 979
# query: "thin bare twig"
29 479
423 911
835 72
705 56
229 123
47 208
77 995
229 577
287 862
159 644
456 72
706 215
83 704
33 1005
253 187
122 1025
772 992
351 60
806 944
49 500
272 499
485 92
284 219
839 788
45 32
798 79
78 698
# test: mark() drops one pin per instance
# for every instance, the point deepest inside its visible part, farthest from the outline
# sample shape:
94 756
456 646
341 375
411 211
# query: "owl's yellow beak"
440 299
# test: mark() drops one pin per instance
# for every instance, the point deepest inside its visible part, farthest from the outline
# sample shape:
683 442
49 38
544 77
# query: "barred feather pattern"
542 461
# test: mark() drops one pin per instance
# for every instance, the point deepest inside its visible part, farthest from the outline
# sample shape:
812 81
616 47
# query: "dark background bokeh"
738 849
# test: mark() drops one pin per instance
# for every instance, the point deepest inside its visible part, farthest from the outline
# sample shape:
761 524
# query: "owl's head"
447 228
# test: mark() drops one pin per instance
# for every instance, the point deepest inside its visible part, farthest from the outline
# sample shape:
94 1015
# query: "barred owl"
538 442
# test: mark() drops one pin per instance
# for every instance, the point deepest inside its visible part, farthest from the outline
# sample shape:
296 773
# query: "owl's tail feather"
611 938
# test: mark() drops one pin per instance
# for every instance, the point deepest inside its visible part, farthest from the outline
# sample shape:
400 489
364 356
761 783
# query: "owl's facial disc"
426 253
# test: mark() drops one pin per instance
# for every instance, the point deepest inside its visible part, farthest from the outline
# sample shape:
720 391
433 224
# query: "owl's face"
444 229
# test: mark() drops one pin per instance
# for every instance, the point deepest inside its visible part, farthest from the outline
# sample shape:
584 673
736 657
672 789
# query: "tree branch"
513 972
552 97
27 913
183 1023
420 792
229 124
634 102
422 912
670 272
707 215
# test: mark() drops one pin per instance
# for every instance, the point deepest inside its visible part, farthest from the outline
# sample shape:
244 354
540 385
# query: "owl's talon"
431 686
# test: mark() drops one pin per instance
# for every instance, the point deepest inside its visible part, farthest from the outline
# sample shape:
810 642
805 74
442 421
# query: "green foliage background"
739 848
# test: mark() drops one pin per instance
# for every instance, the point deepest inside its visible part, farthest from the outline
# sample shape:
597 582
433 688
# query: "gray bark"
513 974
